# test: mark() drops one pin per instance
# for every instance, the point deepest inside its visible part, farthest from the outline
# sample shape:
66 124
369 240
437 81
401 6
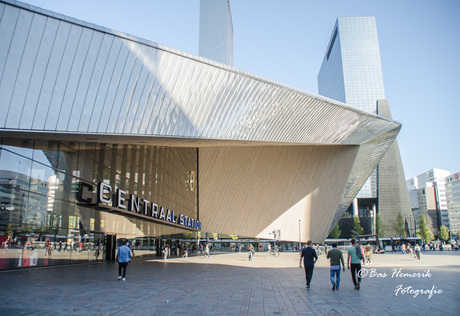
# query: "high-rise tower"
351 72
216 31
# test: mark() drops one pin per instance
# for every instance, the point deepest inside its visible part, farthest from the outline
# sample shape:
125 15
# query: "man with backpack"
355 256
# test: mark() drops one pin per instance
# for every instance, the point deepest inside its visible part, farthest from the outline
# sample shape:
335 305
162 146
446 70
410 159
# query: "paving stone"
228 285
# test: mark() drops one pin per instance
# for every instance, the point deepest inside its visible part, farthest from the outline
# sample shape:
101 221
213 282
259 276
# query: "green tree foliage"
399 225
9 230
424 232
379 226
357 225
443 233
193 235
335 232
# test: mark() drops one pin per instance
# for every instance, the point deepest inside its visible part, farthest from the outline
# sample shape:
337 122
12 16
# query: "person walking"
368 254
98 248
417 252
6 245
251 251
165 253
354 258
123 257
309 258
336 258
318 250
206 251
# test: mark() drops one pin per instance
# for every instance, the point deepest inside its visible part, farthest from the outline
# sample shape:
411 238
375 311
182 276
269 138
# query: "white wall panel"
89 107
107 89
14 58
63 82
28 61
38 73
48 87
84 82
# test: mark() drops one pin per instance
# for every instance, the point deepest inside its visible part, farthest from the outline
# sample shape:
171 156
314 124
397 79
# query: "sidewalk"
229 284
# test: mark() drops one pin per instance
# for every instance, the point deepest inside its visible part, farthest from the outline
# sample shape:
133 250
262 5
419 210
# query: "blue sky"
286 41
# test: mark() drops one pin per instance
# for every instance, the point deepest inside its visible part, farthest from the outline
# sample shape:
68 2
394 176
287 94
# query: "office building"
351 72
427 193
216 31
453 201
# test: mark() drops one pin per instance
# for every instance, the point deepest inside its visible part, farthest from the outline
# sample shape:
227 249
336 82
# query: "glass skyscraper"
351 72
216 31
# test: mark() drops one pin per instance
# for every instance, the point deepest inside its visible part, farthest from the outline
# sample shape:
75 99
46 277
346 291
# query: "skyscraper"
216 31
351 72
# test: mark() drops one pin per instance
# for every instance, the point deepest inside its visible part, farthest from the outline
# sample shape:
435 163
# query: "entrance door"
110 246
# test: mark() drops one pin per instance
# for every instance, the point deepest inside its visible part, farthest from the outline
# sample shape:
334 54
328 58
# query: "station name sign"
121 200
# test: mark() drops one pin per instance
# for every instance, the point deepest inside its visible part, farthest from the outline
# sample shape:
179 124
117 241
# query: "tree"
458 234
443 233
399 225
335 232
357 225
9 230
425 233
379 226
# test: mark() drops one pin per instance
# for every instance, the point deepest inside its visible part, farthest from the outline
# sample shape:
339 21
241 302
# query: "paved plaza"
230 284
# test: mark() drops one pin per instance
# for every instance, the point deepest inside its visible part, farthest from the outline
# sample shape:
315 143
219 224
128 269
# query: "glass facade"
46 220
351 72
216 31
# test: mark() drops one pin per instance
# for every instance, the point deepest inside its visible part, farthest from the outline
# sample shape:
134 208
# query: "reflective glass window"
21 147
46 152
14 166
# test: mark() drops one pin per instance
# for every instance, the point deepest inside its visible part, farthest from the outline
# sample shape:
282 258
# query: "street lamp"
300 240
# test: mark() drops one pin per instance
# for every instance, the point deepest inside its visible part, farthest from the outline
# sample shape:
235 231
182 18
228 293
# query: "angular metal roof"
59 75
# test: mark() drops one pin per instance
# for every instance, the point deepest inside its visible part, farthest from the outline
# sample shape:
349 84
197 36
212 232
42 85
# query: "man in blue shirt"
123 257
309 258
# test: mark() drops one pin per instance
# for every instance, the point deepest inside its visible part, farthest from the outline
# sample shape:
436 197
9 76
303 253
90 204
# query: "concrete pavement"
230 284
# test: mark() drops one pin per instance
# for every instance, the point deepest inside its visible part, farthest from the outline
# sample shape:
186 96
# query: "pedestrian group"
355 255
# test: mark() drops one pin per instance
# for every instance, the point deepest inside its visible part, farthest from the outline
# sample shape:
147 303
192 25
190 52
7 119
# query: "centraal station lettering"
118 200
